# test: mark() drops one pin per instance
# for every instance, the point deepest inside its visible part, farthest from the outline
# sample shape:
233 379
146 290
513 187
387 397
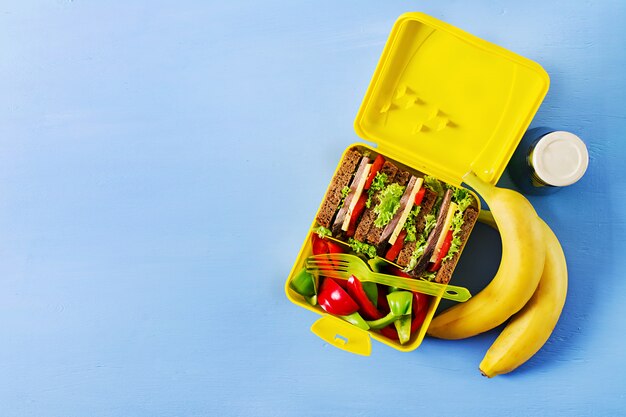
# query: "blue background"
161 162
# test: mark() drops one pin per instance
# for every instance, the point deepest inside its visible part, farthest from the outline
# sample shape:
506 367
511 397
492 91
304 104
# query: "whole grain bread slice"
341 179
469 219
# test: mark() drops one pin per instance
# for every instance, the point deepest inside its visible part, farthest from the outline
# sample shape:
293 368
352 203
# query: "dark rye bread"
373 236
368 217
429 200
469 218
340 180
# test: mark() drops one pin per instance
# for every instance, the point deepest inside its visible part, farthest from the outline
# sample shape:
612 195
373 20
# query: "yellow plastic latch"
343 335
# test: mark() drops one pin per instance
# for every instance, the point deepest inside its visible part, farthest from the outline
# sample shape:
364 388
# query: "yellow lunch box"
442 102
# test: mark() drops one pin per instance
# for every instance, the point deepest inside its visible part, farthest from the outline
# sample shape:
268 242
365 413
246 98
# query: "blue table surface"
161 162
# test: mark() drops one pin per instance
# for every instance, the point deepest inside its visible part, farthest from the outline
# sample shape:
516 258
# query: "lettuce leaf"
434 184
410 226
389 204
362 248
431 221
322 232
462 198
420 245
429 276
344 193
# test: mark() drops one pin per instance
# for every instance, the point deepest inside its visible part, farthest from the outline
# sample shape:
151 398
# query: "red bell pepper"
420 308
322 246
445 247
378 163
390 332
395 249
367 308
334 247
335 300
319 245
399 272
419 196
383 304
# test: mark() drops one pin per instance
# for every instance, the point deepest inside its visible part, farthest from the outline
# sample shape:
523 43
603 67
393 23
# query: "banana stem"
481 187
486 217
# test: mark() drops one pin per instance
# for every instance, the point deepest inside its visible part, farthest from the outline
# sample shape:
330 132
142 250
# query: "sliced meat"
469 219
341 179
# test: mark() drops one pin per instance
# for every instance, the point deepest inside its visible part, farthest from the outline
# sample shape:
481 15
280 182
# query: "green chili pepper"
357 320
400 305
400 302
311 300
303 283
384 322
378 264
403 326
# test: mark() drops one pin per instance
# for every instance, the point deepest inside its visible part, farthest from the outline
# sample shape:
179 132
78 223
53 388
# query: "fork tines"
330 264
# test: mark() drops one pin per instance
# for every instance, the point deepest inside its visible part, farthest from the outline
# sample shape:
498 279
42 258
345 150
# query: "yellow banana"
523 255
530 328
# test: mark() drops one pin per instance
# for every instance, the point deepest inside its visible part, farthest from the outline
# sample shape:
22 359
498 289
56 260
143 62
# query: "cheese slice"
355 198
406 212
444 231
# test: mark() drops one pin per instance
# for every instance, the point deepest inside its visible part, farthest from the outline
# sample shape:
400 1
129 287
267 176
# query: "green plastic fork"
342 266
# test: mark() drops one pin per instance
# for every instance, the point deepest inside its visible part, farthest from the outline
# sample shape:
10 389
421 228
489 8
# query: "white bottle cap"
560 158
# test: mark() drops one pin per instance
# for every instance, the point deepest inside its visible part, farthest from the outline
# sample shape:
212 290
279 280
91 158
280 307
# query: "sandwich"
415 221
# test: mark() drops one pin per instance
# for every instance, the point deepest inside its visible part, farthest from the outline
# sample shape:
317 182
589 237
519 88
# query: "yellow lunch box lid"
446 102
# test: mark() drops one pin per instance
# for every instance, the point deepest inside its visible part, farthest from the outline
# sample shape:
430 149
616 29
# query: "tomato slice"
359 207
395 249
378 163
420 196
445 247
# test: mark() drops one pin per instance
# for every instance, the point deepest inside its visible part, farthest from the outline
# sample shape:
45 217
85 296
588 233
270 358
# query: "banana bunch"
529 287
